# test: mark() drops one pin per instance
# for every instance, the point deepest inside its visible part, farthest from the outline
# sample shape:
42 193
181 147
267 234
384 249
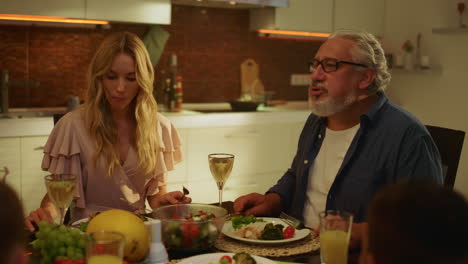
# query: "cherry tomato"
227 258
288 232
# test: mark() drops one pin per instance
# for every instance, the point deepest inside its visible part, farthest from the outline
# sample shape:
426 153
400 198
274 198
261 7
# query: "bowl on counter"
190 228
243 106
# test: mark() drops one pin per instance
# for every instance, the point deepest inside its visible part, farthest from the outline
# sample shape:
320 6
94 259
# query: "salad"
191 232
238 258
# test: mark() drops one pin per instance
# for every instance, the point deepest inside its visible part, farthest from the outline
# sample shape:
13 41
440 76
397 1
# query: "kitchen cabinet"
301 15
23 157
69 8
262 154
360 14
10 158
135 11
32 176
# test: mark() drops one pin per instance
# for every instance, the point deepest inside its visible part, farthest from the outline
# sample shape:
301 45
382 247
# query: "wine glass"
220 167
461 9
61 188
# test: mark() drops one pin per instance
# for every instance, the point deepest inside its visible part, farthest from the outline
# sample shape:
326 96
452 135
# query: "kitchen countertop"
292 112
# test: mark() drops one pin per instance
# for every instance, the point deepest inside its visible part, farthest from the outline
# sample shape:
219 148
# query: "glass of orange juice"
105 247
335 232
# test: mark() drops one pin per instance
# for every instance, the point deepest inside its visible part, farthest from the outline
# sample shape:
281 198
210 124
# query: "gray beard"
332 106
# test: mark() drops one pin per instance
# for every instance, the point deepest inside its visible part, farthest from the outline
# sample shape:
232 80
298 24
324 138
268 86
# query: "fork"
292 221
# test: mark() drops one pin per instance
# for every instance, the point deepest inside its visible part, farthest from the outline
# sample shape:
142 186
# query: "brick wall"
210 45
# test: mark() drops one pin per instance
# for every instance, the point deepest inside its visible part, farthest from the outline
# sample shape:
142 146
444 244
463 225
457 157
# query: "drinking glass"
220 167
461 9
335 232
61 188
105 247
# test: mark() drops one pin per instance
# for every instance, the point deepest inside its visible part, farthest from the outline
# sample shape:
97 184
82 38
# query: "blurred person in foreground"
416 222
13 238
116 143
354 142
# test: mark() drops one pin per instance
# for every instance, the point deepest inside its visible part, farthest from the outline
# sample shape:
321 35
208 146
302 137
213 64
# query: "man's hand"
36 216
258 204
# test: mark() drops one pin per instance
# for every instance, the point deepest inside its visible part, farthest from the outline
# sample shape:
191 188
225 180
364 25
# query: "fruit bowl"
190 227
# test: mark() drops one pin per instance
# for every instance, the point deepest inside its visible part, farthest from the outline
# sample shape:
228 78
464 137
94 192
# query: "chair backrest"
450 144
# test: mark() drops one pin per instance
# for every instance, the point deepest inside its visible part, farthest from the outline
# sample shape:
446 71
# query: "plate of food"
262 230
226 258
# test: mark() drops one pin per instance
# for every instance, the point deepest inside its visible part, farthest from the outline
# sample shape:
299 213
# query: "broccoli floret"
244 258
272 232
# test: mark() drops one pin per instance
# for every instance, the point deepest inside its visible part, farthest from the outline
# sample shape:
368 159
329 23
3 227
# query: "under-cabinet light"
51 19
288 33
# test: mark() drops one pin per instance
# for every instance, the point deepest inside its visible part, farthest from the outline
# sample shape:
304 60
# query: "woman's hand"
36 216
175 197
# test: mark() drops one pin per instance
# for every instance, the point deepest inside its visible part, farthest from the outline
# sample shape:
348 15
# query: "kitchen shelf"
450 30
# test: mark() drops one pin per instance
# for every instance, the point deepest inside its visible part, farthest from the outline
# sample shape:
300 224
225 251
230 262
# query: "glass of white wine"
220 167
61 189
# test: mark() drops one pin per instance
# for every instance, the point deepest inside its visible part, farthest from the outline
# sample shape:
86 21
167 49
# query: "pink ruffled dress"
69 149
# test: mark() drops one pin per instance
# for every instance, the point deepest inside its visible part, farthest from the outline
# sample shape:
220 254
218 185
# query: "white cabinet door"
10 157
68 8
360 14
306 15
301 15
242 141
136 11
32 176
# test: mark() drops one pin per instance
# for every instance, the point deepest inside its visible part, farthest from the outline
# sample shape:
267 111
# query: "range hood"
246 4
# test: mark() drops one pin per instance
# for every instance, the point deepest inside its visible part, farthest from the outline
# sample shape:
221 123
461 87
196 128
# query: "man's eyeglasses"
330 64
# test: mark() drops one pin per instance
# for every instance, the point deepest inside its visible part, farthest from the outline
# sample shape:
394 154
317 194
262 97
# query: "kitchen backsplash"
210 45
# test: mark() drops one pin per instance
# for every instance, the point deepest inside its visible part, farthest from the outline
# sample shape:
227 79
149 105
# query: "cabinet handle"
243 135
241 186
39 148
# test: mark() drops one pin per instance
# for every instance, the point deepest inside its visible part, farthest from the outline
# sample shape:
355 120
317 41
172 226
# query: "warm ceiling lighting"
51 19
294 33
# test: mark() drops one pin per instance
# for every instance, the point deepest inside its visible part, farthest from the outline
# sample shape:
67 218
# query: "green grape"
43 224
62 251
63 229
70 252
69 241
81 243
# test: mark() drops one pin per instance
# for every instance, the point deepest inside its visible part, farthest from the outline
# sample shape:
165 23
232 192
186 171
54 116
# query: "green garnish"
239 221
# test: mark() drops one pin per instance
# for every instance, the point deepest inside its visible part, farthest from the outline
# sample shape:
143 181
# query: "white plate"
214 258
229 231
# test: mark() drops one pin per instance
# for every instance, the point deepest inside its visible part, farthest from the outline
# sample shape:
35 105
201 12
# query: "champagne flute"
61 189
220 167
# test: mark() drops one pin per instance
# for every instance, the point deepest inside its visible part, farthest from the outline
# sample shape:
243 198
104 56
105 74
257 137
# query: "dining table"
312 257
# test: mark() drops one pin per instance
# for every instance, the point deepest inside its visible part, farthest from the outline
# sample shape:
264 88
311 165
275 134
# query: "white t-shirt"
323 171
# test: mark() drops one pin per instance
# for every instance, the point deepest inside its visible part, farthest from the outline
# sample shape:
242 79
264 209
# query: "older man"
354 142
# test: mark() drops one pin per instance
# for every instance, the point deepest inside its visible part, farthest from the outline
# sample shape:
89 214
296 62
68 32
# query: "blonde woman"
116 143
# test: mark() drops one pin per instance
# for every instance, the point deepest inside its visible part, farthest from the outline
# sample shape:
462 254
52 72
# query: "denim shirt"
390 145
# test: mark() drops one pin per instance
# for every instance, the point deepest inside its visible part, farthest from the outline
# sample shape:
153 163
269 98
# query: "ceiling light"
51 19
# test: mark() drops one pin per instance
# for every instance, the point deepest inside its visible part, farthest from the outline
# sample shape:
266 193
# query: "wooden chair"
450 144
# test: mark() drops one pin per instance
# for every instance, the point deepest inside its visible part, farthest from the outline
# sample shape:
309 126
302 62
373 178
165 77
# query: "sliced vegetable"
288 232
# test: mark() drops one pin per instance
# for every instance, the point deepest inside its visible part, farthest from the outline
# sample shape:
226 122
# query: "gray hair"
368 51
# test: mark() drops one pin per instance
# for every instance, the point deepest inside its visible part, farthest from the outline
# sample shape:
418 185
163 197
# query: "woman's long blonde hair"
98 118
